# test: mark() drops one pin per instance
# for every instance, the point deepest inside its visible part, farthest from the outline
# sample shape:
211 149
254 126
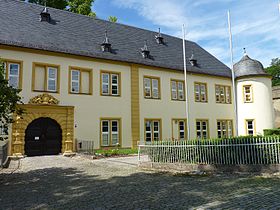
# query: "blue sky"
255 23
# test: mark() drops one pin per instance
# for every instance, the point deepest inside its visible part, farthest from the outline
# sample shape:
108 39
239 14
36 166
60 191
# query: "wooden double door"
43 136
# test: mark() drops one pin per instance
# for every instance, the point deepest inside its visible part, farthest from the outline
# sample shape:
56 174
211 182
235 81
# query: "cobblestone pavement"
57 182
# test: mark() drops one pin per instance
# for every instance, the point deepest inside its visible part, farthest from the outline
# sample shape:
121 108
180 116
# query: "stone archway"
44 106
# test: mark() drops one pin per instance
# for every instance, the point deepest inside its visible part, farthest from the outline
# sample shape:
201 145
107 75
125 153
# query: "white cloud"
254 25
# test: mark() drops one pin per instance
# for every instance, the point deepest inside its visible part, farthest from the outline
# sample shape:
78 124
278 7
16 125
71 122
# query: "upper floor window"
152 130
248 93
80 80
224 128
177 90
12 72
223 94
110 83
110 132
250 127
152 87
202 129
200 90
45 77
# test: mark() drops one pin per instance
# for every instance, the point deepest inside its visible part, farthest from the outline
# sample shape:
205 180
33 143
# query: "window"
200 90
12 72
80 80
179 129
202 129
45 77
223 94
224 128
151 87
248 93
177 90
110 132
250 127
110 83
152 130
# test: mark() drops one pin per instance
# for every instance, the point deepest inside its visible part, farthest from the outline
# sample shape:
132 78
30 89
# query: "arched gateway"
45 128
43 136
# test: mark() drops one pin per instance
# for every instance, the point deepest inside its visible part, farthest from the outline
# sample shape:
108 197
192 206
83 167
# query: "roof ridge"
99 19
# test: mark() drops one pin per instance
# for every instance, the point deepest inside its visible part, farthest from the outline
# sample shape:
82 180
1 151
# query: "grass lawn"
113 152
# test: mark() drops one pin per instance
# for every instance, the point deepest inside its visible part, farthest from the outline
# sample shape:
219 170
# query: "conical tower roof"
248 67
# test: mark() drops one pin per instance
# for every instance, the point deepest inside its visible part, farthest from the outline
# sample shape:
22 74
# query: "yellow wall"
90 108
166 109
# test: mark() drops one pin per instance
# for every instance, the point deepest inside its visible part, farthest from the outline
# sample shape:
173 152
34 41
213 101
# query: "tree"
9 100
81 7
58 4
274 71
113 19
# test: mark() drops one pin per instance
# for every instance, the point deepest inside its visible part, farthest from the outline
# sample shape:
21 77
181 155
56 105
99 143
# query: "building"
116 85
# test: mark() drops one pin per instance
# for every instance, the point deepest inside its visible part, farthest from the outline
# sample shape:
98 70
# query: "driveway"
57 182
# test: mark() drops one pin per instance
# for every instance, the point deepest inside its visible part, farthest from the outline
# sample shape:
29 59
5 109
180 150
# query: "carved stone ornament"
44 99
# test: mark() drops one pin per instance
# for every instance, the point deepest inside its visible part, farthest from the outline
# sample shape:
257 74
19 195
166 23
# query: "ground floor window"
250 127
224 128
152 130
110 132
179 129
202 129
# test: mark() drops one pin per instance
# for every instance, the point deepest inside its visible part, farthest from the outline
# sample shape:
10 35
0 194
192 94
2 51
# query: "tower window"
248 93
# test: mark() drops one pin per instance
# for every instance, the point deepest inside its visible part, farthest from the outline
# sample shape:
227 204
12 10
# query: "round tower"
254 97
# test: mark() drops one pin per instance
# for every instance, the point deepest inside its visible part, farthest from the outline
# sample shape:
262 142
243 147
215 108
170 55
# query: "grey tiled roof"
248 67
81 35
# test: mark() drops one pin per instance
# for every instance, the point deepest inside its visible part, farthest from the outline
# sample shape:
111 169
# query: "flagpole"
186 89
232 74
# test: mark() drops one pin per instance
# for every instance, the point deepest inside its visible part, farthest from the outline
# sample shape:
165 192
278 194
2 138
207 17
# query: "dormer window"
159 37
106 46
193 61
145 51
45 15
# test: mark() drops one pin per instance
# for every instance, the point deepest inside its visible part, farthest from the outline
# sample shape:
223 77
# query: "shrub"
269 132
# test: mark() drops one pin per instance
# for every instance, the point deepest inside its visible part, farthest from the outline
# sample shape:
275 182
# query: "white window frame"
110 132
14 76
225 129
250 94
200 92
177 91
153 90
153 131
180 130
201 130
105 133
248 130
114 84
52 79
174 90
115 132
75 81
107 84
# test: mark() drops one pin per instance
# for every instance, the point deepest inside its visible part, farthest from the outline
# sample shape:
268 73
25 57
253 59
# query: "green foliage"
111 152
9 100
58 4
231 151
113 19
82 7
274 71
269 132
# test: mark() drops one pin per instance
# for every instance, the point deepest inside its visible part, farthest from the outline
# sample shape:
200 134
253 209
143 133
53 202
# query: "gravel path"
57 182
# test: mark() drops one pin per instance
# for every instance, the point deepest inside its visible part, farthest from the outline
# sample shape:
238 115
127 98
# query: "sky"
255 23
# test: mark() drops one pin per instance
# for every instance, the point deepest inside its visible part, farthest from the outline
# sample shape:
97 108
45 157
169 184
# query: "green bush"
230 151
269 132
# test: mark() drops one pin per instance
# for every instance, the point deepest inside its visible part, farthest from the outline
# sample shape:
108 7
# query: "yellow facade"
86 110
